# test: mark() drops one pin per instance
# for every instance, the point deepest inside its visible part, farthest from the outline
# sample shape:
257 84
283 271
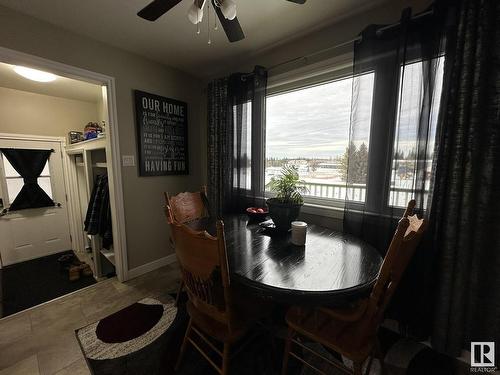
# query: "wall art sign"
161 135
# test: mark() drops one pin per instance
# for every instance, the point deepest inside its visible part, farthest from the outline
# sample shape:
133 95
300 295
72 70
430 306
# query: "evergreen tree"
399 155
362 157
412 155
354 164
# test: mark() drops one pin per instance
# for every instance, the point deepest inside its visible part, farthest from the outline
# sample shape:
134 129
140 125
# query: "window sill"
334 210
325 211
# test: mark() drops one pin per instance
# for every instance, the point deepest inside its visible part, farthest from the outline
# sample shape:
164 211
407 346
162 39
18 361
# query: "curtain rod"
305 57
358 38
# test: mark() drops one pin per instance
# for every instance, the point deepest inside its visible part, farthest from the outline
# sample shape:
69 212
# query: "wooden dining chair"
184 208
352 332
215 313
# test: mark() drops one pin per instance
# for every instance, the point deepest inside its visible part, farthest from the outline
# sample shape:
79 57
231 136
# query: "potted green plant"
285 206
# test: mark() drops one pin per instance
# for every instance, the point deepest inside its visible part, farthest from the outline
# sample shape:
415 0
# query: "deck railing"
356 192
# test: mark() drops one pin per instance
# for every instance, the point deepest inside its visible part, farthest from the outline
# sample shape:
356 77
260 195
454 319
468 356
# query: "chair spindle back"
204 266
186 207
401 249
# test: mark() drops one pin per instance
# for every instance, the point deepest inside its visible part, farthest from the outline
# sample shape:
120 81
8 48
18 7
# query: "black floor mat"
30 283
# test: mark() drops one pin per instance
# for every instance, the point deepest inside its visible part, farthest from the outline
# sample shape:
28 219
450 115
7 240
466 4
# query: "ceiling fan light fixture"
228 9
195 14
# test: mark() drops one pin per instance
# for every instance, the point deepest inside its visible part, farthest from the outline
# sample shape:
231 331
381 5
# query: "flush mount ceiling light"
34 74
224 9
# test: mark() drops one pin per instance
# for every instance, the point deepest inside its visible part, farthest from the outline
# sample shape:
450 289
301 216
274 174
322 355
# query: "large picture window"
309 128
325 132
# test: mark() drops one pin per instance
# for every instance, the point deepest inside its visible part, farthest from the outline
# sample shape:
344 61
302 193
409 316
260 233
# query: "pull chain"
208 22
197 23
216 27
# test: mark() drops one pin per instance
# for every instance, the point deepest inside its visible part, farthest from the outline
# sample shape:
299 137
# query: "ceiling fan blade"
297 1
232 28
156 9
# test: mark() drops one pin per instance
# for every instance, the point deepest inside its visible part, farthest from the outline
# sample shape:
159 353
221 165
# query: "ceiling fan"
225 10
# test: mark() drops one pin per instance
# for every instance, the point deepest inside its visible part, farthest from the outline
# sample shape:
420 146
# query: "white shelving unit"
88 159
89 145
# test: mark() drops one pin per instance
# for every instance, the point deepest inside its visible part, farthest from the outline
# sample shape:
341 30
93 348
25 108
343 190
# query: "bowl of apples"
257 214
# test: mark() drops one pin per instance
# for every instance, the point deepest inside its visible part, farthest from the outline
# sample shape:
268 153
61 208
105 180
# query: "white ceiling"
62 87
172 39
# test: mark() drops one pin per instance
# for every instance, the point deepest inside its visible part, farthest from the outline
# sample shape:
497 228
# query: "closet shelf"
100 165
90 144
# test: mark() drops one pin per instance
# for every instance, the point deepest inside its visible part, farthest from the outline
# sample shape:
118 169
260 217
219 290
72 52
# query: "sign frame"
156 104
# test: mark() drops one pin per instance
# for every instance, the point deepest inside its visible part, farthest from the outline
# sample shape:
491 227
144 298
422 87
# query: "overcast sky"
314 122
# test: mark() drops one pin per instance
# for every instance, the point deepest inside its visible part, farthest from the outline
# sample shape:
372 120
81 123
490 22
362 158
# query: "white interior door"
33 233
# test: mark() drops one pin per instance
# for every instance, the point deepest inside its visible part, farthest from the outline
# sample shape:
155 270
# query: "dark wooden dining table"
333 268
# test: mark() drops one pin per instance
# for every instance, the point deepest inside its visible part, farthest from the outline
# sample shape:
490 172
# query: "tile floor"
41 341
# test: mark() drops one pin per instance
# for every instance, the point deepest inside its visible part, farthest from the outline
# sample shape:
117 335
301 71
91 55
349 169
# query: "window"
404 158
309 128
15 182
242 139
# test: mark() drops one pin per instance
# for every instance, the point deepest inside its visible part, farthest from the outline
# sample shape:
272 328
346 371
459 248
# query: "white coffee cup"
299 232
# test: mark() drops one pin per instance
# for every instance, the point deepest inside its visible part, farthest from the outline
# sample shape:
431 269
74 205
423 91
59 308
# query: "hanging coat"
98 218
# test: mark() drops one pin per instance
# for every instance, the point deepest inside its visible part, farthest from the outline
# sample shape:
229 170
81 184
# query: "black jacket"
98 218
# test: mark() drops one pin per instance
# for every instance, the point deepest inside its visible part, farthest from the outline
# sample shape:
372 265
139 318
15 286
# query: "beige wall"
146 229
24 112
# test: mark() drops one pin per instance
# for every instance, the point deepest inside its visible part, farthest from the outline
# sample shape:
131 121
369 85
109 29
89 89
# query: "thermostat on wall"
128 160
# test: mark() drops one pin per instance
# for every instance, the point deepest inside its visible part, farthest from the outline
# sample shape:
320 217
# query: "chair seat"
353 340
350 313
216 329
246 311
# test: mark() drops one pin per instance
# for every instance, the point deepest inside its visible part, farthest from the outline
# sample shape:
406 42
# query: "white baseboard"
151 266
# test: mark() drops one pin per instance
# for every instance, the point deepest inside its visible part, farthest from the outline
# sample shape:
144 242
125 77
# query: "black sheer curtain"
29 164
398 78
466 198
219 146
236 130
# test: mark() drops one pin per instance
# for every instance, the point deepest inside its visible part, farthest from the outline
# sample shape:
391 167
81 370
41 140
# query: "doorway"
37 242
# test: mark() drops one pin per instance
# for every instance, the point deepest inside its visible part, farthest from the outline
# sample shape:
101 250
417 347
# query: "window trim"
311 75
